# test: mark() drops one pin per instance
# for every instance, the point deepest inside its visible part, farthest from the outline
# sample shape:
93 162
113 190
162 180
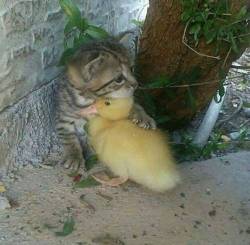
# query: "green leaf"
193 75
210 36
68 27
137 23
67 54
159 82
96 32
233 43
199 18
76 41
72 12
148 102
185 16
82 39
91 161
84 25
162 119
242 13
88 182
68 227
194 29
191 99
222 146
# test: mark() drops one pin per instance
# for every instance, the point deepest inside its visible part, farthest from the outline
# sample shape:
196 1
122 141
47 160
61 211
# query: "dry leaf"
2 187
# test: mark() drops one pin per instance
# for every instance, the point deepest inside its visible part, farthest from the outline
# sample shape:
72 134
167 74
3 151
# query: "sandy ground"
211 206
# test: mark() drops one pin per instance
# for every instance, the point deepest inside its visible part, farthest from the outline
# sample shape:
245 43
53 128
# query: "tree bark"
162 52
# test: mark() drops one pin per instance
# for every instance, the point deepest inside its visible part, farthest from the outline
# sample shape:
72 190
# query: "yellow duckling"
129 151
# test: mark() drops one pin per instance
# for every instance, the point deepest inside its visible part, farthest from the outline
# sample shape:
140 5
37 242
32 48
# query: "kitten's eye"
120 79
107 102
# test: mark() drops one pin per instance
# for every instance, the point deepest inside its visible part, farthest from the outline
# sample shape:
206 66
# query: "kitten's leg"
73 153
141 118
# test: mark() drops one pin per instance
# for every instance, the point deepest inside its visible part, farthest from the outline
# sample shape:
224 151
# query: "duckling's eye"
107 102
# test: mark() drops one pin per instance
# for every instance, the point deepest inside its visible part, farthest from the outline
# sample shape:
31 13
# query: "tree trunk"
162 52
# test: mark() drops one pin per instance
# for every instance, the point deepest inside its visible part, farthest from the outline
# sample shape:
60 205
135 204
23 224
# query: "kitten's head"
103 69
114 109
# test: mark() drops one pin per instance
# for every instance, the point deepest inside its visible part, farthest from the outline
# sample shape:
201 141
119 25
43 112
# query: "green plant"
68 227
138 23
150 104
244 139
165 85
186 150
77 31
85 183
214 21
244 82
91 161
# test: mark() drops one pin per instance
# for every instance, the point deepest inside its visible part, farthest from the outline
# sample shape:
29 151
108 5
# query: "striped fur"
100 69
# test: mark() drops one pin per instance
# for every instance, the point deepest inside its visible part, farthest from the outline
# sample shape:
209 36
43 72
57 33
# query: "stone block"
5 68
18 17
21 51
27 129
42 34
54 15
50 57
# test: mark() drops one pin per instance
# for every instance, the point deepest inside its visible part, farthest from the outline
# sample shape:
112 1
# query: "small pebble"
4 203
182 194
234 135
208 191
182 206
246 111
212 213
197 222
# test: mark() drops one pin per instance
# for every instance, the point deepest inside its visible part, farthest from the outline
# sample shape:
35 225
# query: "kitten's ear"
90 69
123 37
127 39
81 70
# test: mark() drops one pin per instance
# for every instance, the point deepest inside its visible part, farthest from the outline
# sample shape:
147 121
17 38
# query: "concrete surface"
211 206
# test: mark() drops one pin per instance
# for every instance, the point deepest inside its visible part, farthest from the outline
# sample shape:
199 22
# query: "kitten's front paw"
144 121
74 164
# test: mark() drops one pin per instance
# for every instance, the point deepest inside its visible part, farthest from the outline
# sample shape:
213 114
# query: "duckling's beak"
90 110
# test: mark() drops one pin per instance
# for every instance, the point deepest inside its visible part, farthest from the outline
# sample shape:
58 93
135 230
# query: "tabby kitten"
98 69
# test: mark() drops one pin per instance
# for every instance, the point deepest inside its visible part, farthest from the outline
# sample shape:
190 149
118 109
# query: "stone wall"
31 34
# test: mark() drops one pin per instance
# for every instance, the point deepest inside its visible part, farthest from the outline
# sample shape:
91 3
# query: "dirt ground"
211 206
